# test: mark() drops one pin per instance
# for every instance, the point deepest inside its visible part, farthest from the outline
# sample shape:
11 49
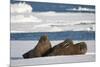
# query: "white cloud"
21 8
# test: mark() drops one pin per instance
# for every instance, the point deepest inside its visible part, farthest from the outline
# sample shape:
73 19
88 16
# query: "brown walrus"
68 48
41 48
61 45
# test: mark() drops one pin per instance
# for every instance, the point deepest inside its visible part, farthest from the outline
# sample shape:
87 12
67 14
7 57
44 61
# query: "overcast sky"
87 2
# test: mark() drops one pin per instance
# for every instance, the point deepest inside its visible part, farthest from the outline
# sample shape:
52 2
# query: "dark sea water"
45 7
75 35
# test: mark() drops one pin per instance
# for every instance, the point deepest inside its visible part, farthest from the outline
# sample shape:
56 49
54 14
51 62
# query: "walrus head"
83 47
43 38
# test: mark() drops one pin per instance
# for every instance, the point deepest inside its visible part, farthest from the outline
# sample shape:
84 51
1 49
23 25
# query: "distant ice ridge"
52 22
24 18
52 17
82 9
54 28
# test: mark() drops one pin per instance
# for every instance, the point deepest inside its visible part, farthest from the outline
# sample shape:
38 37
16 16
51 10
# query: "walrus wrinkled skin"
41 48
61 46
68 48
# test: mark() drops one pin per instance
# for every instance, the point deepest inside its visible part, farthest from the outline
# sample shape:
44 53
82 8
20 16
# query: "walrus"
68 48
58 49
41 48
60 45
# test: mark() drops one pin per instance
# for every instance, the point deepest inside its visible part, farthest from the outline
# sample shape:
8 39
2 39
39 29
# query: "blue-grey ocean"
74 35
45 7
